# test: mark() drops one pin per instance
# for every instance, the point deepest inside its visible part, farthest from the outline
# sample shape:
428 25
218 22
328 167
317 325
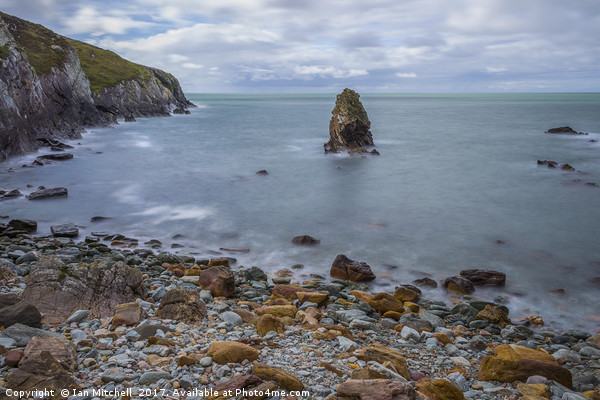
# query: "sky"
322 46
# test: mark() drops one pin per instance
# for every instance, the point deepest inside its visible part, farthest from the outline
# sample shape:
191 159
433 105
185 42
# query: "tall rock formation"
52 86
349 125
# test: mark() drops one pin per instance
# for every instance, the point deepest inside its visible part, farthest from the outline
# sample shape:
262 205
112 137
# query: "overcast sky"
326 45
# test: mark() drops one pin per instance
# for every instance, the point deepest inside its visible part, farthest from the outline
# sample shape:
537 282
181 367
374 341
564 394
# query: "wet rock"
54 157
407 293
375 389
484 277
26 225
231 352
262 172
42 194
305 240
219 280
384 302
351 270
65 230
494 315
58 290
458 284
425 282
565 130
181 305
349 125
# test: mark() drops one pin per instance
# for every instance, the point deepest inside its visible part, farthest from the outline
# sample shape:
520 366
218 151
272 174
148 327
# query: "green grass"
4 53
44 48
105 68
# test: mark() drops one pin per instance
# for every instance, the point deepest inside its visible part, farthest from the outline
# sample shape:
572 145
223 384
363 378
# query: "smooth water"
457 173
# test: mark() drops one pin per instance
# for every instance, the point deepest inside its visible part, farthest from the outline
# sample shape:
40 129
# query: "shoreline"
319 337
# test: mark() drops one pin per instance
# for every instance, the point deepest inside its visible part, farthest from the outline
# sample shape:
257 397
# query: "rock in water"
349 125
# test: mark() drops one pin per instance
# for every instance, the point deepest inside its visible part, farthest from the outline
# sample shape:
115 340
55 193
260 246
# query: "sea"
457 186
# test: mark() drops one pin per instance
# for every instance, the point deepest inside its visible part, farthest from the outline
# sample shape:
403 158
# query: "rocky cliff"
349 125
52 86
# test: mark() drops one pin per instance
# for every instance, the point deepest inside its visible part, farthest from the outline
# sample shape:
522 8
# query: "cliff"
54 87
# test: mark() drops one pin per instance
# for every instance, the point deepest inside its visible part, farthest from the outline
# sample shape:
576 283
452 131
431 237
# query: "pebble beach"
108 317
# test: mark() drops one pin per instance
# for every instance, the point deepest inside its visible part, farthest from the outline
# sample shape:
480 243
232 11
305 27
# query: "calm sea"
456 186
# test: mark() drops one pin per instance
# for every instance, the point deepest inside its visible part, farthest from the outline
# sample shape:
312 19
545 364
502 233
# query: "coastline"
320 336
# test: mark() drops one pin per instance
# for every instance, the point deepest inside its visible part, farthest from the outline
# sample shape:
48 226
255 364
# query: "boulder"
375 389
13 311
40 371
305 240
439 389
458 284
128 314
384 302
516 363
55 157
219 280
283 378
231 352
43 193
318 297
349 125
182 306
62 349
65 230
267 323
58 290
407 293
494 315
382 354
351 270
484 277
289 292
22 334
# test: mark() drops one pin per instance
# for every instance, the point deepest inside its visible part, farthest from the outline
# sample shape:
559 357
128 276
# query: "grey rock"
589 351
113 375
361 324
205 362
22 334
346 344
434 320
65 230
7 342
42 194
459 380
409 333
232 318
78 316
150 377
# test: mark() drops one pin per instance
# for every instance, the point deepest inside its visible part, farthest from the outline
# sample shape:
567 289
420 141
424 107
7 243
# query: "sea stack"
349 125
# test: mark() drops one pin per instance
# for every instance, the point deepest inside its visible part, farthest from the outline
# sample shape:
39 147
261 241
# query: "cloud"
313 45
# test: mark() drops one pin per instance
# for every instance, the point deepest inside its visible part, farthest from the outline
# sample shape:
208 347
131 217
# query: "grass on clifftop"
44 48
105 68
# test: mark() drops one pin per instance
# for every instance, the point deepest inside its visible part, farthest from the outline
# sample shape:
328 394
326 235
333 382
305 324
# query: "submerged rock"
349 125
43 193
350 270
565 130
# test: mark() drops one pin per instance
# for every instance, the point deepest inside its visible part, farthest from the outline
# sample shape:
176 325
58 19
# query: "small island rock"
349 125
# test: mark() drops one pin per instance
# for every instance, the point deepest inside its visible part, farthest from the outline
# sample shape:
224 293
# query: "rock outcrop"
52 86
349 125
58 290
565 130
